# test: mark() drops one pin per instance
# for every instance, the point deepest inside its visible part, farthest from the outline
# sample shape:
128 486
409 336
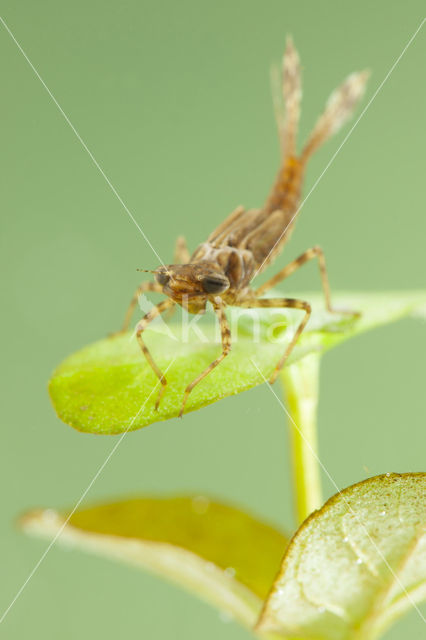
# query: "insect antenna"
169 273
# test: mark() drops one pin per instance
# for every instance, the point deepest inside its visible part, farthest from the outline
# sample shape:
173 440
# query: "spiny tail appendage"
339 108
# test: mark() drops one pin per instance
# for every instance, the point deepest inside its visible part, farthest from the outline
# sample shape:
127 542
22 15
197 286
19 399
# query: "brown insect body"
220 270
240 248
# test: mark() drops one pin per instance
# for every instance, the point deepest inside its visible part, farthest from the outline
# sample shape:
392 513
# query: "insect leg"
226 347
145 286
181 255
290 303
315 252
140 328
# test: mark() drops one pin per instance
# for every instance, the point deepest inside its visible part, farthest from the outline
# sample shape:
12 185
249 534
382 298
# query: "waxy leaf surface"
355 565
108 387
222 554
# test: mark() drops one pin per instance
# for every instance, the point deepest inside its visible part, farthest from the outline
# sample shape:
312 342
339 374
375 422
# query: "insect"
220 270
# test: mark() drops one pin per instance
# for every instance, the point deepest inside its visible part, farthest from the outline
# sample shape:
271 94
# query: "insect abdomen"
285 194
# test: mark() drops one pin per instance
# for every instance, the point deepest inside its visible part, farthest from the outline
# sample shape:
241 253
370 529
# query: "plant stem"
301 385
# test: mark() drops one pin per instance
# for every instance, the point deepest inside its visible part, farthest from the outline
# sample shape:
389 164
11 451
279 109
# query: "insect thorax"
237 264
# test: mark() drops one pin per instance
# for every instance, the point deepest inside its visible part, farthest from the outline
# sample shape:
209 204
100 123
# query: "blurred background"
174 101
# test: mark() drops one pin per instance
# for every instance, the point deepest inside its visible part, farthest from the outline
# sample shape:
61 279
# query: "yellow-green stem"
301 386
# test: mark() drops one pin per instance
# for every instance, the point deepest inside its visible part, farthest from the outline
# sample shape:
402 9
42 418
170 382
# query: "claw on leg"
161 392
185 398
273 377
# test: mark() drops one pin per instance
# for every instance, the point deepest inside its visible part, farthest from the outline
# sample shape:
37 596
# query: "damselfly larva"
220 270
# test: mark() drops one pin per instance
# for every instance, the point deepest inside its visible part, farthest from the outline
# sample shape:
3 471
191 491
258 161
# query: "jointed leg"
226 347
182 255
145 286
289 303
315 252
141 326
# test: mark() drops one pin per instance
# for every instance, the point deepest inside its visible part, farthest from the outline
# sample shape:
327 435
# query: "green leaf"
108 387
354 565
220 553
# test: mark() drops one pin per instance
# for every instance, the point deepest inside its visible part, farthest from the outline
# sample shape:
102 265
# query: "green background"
173 99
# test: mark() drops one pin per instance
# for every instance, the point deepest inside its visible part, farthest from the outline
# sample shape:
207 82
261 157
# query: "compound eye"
162 277
213 284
